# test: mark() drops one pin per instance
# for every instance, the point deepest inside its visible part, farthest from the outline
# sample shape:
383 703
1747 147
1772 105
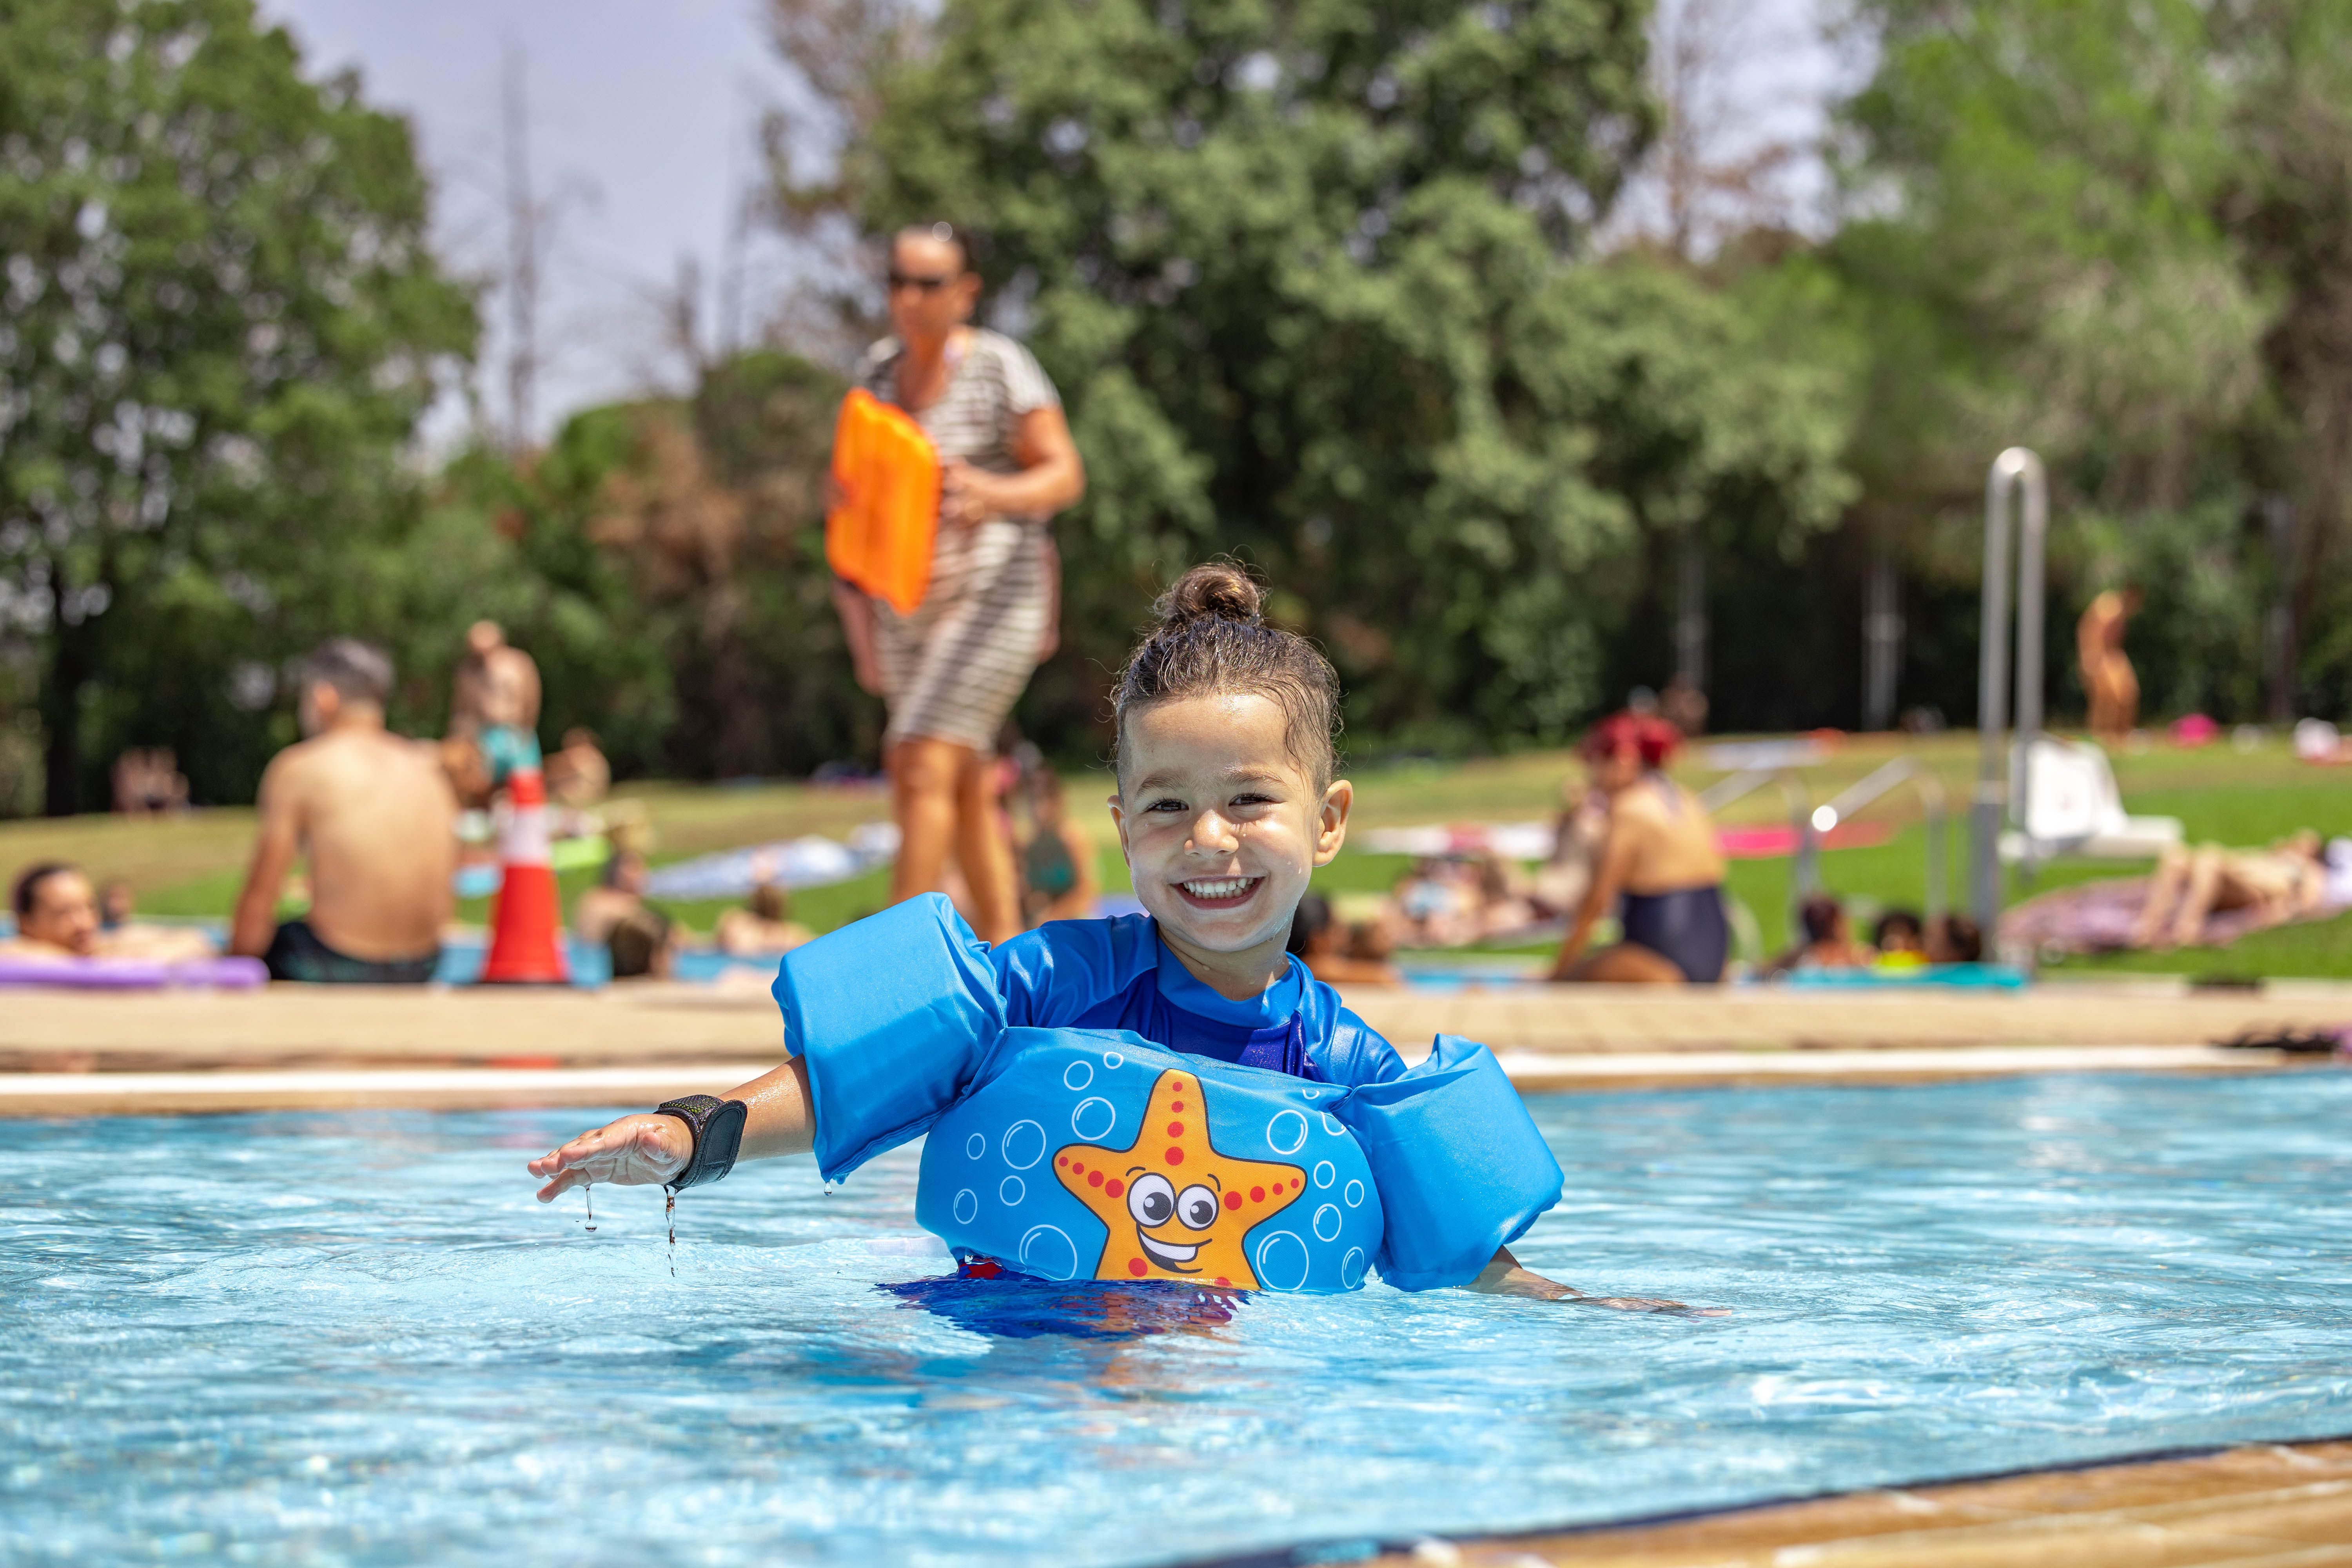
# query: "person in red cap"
1660 855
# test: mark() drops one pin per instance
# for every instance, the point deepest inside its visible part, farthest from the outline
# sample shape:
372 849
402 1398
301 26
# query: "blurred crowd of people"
1899 940
1629 842
383 821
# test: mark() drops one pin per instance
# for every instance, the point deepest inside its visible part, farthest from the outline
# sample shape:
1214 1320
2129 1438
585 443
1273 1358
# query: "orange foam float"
880 538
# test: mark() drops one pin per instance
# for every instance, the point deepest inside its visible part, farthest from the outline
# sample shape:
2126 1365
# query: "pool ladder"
1894 774
1813 824
1806 876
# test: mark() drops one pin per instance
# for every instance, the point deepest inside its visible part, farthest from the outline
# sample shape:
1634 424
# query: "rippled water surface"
356 1338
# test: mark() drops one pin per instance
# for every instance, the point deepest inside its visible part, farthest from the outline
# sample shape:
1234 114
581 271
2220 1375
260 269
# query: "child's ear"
1119 820
1332 822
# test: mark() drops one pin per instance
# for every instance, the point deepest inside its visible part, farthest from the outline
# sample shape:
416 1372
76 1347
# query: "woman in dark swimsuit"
1661 856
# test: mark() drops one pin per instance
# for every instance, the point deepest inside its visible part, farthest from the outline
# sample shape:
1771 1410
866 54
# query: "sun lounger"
2072 809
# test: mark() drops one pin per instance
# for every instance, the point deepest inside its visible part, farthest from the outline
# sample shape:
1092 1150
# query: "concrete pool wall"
437 1047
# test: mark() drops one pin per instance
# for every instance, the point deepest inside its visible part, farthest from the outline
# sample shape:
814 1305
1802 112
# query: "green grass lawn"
2220 795
192 865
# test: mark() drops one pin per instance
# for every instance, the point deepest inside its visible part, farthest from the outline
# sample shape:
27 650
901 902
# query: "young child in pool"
1226 803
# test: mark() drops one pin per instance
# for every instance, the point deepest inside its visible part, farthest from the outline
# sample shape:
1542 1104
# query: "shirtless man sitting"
377 818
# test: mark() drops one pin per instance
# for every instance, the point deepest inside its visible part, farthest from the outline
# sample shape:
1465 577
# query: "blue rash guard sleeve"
1460 1167
893 1015
1057 975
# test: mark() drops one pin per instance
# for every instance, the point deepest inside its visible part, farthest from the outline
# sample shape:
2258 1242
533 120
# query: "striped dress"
954 668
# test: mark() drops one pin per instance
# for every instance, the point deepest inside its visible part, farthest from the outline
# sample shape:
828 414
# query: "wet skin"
1222 827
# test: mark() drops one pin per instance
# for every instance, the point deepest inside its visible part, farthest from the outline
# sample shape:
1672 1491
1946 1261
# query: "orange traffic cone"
527 922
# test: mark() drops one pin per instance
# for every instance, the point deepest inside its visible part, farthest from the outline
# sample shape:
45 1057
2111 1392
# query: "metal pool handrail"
1921 777
1804 877
2015 468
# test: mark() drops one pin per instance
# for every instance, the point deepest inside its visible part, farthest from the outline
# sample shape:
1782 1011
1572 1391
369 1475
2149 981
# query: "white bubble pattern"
1286 1133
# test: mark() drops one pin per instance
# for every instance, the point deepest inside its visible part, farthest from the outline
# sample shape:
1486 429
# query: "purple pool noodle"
134 974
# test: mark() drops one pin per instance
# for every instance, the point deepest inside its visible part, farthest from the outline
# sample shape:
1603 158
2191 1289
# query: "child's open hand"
634 1152
1505 1277
1644 1304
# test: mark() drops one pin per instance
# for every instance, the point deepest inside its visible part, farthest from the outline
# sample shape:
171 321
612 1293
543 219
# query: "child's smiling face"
1223 826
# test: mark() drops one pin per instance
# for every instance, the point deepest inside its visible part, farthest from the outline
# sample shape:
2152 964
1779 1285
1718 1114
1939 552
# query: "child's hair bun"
1213 590
1212 641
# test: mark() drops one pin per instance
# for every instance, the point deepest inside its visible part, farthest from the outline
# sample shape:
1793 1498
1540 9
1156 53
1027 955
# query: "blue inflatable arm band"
1460 1167
893 1015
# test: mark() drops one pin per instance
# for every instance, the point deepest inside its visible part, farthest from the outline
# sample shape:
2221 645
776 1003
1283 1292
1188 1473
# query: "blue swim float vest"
1096 1155
1075 1153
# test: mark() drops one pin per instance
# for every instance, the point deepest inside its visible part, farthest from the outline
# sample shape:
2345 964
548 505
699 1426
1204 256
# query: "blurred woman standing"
952 669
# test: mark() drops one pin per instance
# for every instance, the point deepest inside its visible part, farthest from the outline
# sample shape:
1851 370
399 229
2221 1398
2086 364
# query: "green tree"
1312 278
222 324
716 516
2289 206
2113 230
664 562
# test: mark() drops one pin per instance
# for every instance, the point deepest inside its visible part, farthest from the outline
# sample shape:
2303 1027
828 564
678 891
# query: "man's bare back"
379 824
376 817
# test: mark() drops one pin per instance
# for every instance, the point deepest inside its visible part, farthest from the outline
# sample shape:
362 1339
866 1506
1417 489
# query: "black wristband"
717 1128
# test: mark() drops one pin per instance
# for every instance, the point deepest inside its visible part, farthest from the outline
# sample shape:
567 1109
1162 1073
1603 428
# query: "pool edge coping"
1414 1549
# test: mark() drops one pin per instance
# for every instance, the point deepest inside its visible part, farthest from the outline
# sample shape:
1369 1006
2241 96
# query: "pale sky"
642 115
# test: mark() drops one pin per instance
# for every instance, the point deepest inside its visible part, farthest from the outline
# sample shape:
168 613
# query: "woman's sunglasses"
898 280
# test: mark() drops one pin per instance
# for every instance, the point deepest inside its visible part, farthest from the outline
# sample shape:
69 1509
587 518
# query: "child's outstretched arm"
643 1149
1505 1277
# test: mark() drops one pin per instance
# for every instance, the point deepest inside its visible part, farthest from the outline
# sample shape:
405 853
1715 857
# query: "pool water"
355 1338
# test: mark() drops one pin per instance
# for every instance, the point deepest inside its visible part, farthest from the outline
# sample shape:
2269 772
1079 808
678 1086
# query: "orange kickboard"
880 538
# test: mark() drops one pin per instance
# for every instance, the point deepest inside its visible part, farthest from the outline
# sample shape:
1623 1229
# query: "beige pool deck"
76 1053
2258 1507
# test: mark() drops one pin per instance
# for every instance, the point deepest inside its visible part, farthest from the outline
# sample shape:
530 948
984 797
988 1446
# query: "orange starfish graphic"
1177 1209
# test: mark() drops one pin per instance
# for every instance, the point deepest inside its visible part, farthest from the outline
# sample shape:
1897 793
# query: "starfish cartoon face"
1177 1209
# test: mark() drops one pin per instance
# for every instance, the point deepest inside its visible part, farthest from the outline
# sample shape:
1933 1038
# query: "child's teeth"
1224 889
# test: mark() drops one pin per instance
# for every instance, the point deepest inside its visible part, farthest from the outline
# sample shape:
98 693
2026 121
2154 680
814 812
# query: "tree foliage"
1313 281
2114 230
222 323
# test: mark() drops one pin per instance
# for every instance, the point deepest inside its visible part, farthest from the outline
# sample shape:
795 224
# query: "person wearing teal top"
507 749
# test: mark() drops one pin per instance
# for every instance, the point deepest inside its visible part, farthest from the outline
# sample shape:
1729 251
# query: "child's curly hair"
1212 640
